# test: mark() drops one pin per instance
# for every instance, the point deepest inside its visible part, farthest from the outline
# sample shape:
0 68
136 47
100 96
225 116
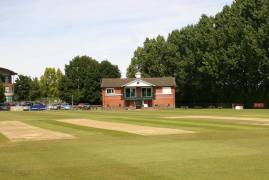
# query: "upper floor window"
110 91
130 92
147 92
167 90
7 79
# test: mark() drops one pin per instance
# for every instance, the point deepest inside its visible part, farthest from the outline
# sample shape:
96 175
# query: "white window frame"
166 90
147 91
130 92
112 93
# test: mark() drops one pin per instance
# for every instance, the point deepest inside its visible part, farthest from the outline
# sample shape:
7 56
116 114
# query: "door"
138 104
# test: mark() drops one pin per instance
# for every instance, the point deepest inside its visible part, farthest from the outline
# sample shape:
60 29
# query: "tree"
224 58
35 92
149 59
82 79
108 70
49 83
23 88
2 91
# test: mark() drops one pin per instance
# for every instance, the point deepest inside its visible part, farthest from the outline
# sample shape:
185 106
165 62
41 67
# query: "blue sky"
35 34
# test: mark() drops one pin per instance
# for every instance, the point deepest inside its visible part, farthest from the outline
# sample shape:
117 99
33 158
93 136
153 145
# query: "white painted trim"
110 94
114 94
146 91
130 92
141 83
166 88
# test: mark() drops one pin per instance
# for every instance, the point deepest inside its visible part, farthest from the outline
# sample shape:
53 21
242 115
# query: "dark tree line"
2 90
224 58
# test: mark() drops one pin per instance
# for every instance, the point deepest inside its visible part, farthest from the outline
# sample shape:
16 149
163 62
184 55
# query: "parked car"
4 107
26 106
57 106
50 107
66 106
54 107
84 106
38 107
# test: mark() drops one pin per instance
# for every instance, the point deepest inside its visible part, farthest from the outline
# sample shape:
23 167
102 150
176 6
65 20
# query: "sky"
35 34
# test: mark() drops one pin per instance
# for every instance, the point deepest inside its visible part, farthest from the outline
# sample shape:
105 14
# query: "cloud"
35 34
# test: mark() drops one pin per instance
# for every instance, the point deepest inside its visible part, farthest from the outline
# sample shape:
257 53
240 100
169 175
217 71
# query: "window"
110 91
147 92
130 92
167 90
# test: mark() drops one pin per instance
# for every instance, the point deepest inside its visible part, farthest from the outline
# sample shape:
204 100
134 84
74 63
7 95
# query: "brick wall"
164 100
113 101
161 100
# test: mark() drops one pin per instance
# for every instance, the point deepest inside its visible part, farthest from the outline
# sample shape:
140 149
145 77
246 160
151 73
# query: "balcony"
138 98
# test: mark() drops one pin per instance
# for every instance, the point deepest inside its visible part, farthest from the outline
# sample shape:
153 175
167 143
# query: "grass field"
219 148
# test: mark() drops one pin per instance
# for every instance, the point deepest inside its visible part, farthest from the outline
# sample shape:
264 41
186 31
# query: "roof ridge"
158 81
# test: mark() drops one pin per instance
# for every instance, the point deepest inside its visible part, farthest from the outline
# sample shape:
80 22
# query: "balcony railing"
138 97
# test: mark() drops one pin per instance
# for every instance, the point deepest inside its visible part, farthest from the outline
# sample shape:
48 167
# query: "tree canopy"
223 58
82 79
23 88
49 83
2 91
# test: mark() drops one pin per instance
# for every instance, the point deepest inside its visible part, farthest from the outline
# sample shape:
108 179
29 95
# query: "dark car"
38 107
84 106
4 107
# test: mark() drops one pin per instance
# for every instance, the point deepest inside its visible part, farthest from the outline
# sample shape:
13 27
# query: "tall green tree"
23 88
224 58
108 70
49 83
2 91
82 79
35 92
150 59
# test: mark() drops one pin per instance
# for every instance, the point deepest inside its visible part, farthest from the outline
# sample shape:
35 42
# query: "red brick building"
6 77
138 92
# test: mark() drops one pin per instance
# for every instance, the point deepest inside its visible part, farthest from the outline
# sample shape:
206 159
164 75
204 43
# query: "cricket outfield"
208 144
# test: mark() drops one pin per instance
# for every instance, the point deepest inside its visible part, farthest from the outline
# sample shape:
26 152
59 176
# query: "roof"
7 72
116 82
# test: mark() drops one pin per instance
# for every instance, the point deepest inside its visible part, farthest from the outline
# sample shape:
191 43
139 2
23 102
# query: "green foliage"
224 58
108 70
2 91
2 78
27 89
149 58
82 79
49 83
23 88
35 92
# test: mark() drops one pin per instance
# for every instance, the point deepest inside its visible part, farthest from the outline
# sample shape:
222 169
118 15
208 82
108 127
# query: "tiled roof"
116 82
8 72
